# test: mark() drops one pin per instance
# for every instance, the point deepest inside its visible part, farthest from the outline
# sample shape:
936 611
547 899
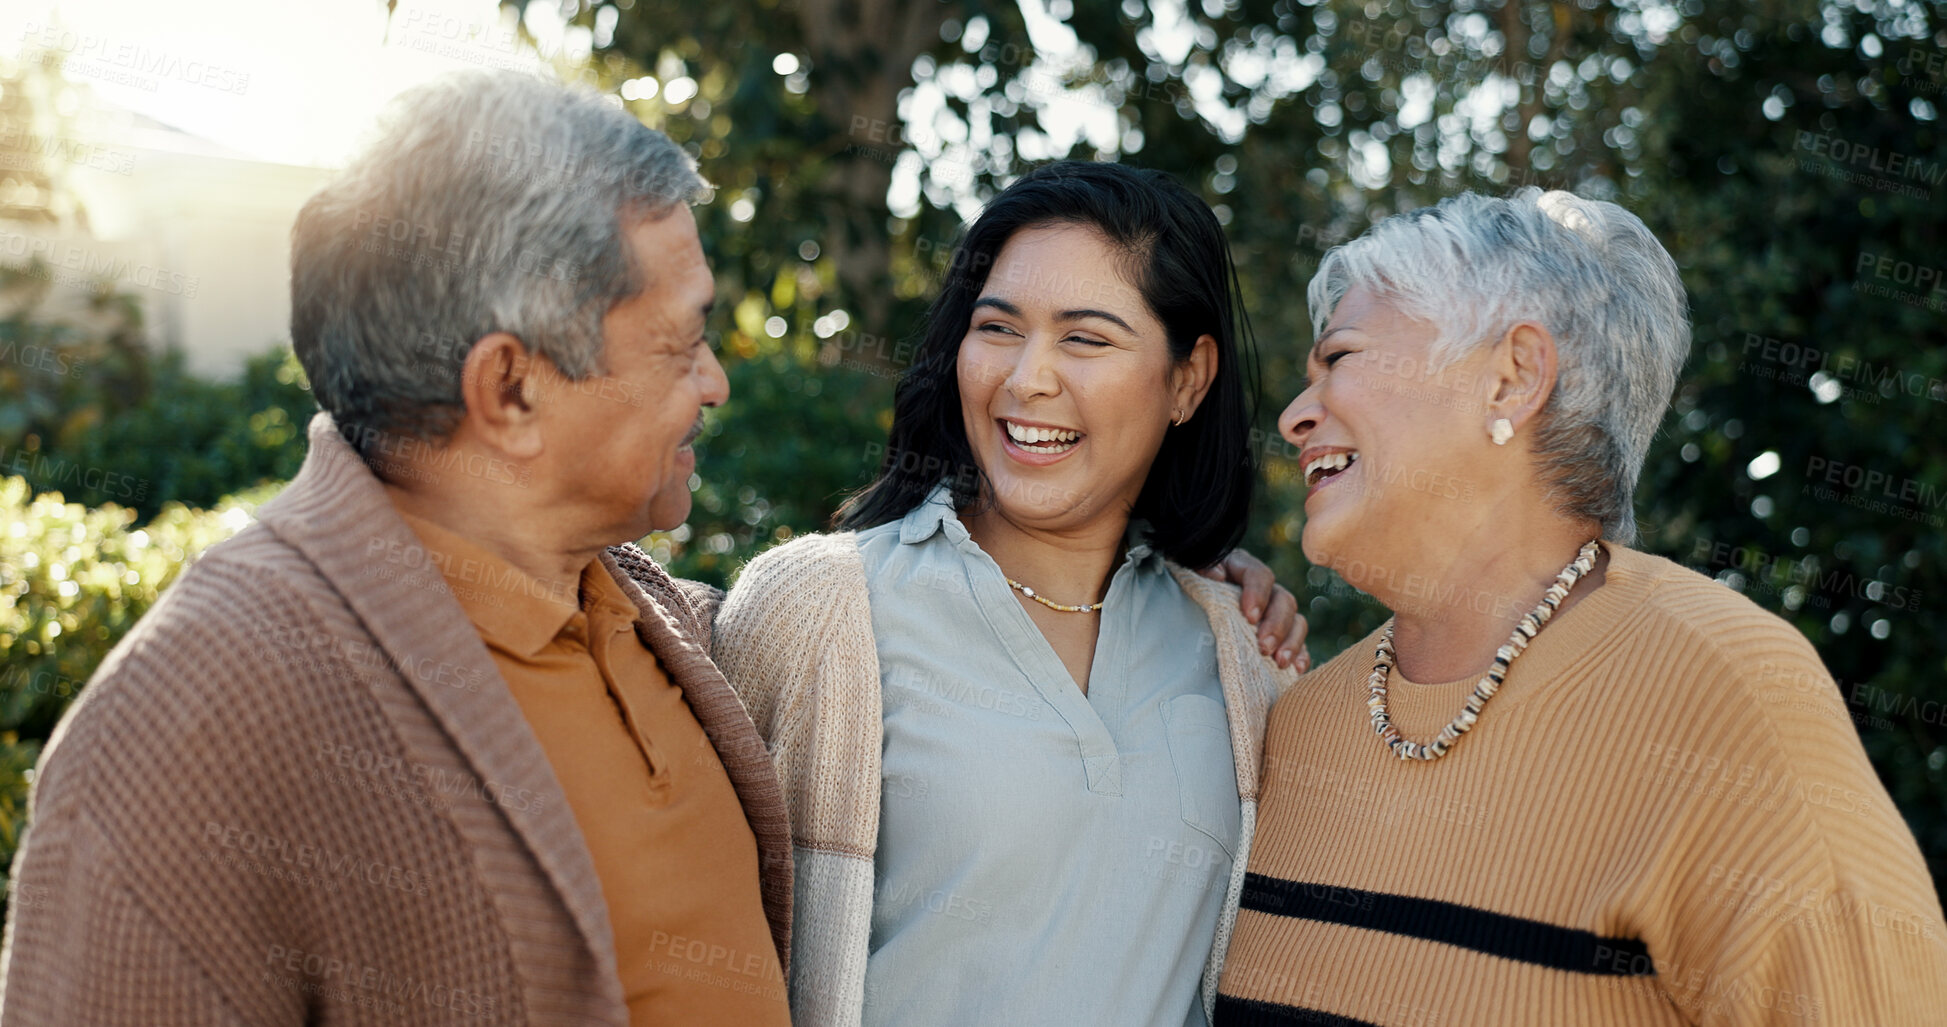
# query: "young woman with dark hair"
1171 251
1018 739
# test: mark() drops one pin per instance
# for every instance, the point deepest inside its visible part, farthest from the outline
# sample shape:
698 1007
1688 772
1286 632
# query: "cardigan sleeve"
114 913
794 637
82 947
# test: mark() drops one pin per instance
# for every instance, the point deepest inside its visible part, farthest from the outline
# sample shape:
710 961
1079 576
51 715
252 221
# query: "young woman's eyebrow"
1075 315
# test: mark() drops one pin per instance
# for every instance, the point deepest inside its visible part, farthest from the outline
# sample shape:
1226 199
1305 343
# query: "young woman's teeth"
1325 466
1050 440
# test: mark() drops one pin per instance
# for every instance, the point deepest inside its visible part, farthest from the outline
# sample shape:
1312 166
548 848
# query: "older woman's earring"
1501 431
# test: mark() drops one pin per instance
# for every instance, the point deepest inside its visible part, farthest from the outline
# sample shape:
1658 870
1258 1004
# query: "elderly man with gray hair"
1567 782
432 742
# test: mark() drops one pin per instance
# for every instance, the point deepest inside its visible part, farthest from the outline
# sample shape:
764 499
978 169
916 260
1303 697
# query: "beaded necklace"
1050 603
1382 668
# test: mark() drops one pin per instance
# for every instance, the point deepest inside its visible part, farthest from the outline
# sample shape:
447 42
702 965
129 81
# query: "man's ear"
1191 379
1521 374
499 383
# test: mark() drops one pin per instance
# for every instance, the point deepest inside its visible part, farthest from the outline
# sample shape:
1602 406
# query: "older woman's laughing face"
1392 451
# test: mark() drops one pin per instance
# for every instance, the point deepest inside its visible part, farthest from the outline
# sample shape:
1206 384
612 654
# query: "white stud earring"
1501 431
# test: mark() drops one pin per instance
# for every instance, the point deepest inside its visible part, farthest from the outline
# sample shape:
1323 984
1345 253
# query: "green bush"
185 440
73 580
90 410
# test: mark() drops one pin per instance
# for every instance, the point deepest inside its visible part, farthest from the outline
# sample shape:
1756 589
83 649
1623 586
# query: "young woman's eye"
1085 340
996 327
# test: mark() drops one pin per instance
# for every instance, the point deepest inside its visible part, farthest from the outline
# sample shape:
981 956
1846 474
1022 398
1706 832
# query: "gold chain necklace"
1382 668
1050 603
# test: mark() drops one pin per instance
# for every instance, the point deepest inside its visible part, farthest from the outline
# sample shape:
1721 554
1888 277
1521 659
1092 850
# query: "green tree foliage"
792 106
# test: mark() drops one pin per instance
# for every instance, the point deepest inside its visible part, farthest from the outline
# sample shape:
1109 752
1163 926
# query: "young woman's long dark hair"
1198 494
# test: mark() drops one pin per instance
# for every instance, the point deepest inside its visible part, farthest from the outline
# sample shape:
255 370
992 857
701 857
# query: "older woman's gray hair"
490 201
1588 271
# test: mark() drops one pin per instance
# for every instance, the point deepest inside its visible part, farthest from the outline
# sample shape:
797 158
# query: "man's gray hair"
489 201
1588 271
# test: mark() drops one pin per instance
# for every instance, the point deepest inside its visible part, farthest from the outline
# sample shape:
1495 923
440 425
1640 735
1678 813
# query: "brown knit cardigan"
299 791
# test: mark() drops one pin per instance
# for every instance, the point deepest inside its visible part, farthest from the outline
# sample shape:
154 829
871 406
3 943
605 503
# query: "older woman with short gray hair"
1552 788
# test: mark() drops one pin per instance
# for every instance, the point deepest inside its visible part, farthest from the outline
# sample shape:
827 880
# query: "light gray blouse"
1044 857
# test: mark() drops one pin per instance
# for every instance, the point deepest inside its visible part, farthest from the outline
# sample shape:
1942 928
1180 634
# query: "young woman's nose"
1033 373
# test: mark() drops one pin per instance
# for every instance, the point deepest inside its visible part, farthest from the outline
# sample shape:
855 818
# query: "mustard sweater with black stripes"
1664 817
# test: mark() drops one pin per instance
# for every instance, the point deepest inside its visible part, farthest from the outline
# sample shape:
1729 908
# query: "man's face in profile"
620 441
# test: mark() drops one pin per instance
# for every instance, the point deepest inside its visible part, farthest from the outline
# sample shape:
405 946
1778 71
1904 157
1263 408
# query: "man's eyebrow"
998 304
1072 315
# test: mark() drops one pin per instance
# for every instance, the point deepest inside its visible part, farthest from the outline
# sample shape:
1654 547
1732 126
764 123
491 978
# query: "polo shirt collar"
511 610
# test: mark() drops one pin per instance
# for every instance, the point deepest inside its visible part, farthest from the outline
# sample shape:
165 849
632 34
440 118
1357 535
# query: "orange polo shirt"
676 858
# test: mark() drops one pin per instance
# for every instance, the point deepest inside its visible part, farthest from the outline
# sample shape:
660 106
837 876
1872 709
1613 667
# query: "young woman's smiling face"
1067 385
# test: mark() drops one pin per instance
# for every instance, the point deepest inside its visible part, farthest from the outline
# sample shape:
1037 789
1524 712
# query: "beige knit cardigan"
299 791
795 639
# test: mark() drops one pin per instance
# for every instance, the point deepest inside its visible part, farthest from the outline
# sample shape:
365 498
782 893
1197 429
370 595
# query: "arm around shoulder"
1233 636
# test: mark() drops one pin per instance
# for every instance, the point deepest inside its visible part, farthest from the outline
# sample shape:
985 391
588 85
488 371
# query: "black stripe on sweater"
1249 1012
1497 934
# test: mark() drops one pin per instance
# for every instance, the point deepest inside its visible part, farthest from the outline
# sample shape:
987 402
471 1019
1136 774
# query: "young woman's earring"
1501 431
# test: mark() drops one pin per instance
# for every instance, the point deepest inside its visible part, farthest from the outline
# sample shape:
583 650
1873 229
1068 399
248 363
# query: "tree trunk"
1517 37
862 53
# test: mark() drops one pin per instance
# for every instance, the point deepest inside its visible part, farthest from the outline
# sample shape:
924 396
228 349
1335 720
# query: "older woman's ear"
1520 375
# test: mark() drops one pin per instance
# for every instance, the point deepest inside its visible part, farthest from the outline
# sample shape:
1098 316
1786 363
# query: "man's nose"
716 384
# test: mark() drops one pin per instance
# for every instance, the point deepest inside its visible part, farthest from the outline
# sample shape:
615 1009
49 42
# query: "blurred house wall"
200 235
